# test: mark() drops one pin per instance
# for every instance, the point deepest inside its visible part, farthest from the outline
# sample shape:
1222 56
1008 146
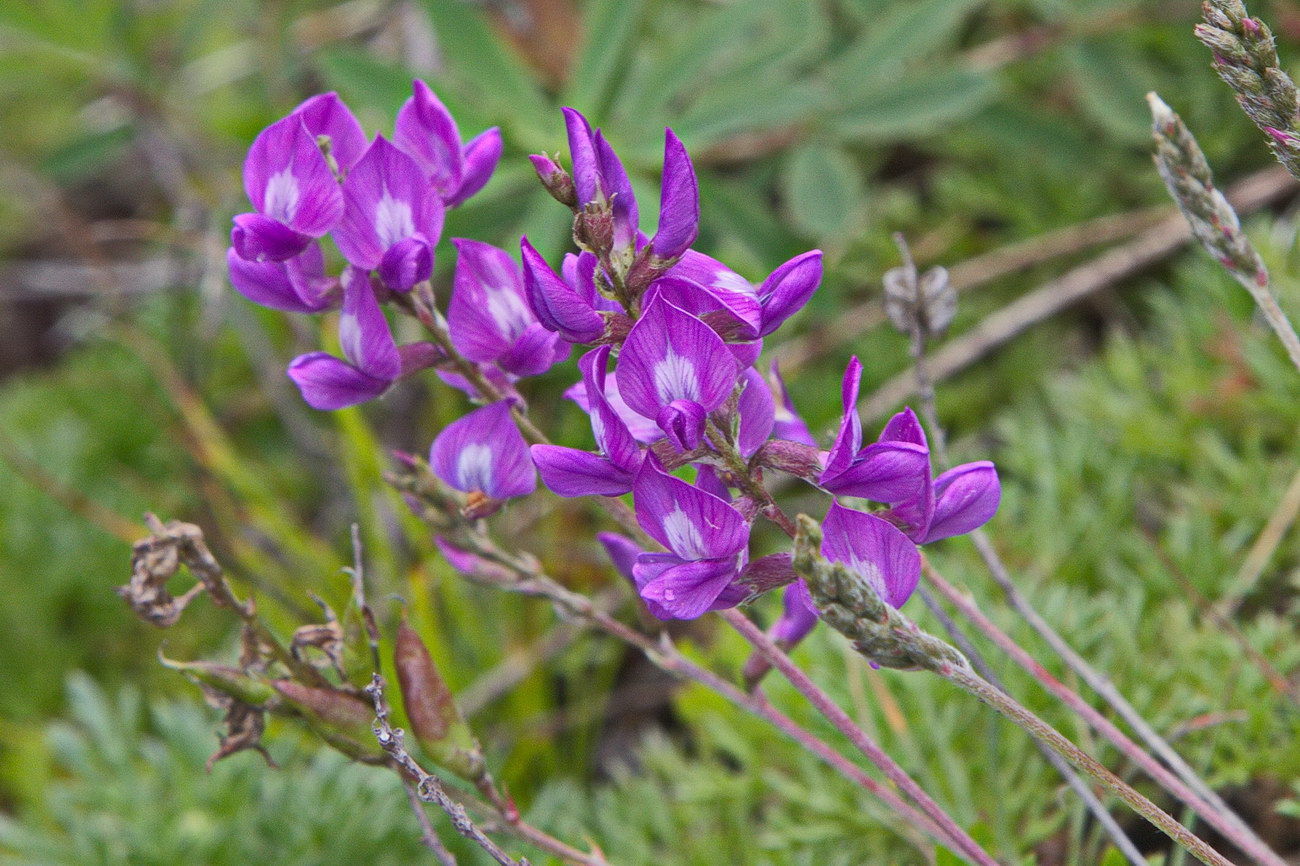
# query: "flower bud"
557 181
225 679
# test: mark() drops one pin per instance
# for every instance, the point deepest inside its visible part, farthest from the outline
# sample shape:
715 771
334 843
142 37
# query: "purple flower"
484 455
290 185
788 288
570 472
874 548
674 368
295 285
374 361
679 202
489 318
894 470
556 304
965 498
426 131
701 285
326 115
392 219
600 179
706 536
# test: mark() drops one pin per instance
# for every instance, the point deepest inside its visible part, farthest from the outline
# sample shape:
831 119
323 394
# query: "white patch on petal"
474 467
508 310
683 536
730 281
281 200
676 379
393 221
873 575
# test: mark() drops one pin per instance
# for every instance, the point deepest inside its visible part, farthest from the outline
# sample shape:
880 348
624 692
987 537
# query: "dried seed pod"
431 708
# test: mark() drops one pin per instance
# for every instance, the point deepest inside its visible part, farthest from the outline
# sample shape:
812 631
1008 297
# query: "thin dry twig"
428 787
1257 558
428 835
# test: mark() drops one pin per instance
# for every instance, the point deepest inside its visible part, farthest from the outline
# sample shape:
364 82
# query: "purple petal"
904 427
419 356
287 179
679 201
622 551
966 497
534 352
580 273
875 549
469 563
427 131
612 435
799 617
497 377
557 306
297 285
706 479
732 291
406 263
259 238
582 151
683 423
889 472
849 439
757 413
690 589
789 425
619 190
643 429
671 355
484 451
488 310
387 200
326 114
481 156
688 521
570 472
785 292
696 299
364 334
328 383
746 354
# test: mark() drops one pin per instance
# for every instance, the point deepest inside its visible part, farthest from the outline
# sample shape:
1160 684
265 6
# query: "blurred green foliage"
966 125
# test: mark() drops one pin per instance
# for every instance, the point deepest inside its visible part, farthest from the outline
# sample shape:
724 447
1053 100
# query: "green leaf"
487 71
823 191
918 105
611 30
893 41
1110 79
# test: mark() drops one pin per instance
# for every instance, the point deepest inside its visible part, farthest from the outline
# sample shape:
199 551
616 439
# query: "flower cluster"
669 379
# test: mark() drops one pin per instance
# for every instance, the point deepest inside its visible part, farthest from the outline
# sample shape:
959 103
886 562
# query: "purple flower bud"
799 615
296 285
291 187
788 288
391 219
966 497
683 423
326 115
556 180
481 156
618 188
489 317
484 453
582 151
672 356
556 304
679 202
875 549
